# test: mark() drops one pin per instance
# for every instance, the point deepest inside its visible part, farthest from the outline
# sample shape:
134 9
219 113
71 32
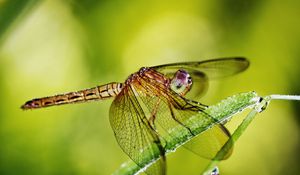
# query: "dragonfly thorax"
135 75
143 69
181 82
149 74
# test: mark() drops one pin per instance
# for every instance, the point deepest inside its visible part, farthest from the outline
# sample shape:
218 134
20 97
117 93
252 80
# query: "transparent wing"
206 70
170 110
134 134
214 68
210 142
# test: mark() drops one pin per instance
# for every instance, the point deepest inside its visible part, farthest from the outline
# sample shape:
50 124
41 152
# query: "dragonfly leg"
193 105
153 128
189 106
153 114
151 122
197 103
179 122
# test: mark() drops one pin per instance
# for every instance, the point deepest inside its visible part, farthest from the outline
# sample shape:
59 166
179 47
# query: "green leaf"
222 112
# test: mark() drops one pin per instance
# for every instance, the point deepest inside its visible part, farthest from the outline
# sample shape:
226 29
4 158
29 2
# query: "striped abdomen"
96 93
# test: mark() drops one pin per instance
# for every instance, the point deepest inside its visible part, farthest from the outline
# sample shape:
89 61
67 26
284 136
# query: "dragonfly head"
181 82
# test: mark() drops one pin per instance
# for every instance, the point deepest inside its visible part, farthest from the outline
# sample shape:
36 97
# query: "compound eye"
189 80
178 87
181 82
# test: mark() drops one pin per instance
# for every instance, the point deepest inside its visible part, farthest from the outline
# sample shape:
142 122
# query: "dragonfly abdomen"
96 93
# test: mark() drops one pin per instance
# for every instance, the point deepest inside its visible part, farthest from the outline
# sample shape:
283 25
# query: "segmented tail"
96 93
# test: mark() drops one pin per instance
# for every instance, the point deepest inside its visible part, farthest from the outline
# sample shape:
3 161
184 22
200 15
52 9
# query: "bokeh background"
54 46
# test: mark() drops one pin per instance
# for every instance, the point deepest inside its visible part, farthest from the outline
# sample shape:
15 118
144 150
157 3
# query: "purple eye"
181 82
182 74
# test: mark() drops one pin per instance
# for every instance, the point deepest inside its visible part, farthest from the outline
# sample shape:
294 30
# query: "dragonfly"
154 100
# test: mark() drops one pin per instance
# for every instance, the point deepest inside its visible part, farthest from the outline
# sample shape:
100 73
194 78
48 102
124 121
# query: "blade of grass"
222 112
234 137
261 106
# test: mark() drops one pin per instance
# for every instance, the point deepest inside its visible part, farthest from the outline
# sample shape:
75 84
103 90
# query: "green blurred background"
49 47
